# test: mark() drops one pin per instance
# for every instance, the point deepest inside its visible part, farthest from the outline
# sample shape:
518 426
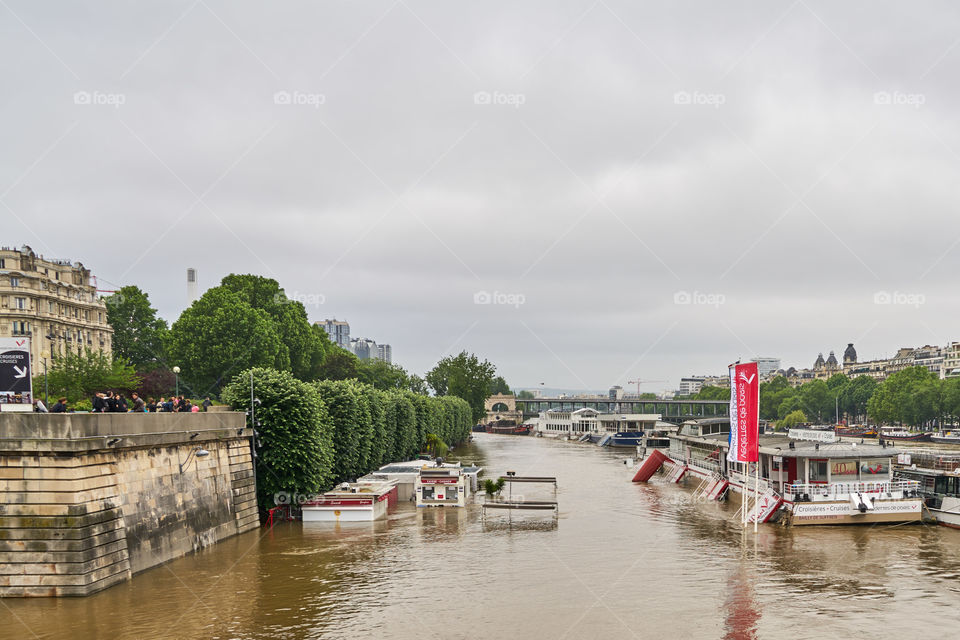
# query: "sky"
584 193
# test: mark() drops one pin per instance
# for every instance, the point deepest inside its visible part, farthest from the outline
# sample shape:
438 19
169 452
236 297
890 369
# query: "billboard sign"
16 379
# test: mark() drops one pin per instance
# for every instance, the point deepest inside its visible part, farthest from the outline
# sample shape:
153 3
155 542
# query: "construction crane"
638 382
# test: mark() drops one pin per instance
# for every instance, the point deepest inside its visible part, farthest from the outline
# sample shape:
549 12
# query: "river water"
619 561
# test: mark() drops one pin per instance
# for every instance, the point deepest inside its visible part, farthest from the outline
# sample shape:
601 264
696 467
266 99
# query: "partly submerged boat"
807 477
352 502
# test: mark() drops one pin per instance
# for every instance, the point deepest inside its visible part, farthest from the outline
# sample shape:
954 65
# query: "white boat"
806 478
946 437
352 502
938 474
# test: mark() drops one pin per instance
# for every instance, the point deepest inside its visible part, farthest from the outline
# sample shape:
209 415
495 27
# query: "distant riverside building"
338 330
766 366
616 392
385 353
951 360
931 358
364 348
690 386
191 285
53 302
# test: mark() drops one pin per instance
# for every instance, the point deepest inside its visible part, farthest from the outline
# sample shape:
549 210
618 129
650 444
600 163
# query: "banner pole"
756 495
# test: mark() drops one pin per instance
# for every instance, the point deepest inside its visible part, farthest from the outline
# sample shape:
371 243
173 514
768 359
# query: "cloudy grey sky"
645 190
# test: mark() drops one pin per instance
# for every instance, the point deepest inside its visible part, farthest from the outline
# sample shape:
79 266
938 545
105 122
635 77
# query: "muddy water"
620 561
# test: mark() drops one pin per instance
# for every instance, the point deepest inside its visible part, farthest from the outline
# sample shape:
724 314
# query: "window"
50 306
56 275
818 471
20 303
14 281
21 328
3 263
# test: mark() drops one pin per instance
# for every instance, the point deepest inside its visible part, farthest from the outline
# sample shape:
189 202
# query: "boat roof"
779 445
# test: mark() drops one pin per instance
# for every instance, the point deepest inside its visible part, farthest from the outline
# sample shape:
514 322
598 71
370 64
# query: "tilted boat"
808 477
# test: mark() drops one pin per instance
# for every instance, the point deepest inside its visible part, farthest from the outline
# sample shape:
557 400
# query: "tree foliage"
295 451
78 375
219 335
138 334
464 376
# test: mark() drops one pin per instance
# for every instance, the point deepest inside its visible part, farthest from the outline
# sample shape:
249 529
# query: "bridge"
671 410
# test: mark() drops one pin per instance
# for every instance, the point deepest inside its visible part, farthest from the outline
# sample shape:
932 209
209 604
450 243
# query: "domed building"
849 354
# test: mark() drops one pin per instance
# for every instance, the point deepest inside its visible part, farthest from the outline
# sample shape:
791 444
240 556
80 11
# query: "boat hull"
944 440
920 437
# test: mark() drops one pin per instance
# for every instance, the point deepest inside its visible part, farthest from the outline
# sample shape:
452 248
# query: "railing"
847 488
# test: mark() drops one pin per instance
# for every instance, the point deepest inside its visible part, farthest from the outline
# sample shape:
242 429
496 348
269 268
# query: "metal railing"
847 488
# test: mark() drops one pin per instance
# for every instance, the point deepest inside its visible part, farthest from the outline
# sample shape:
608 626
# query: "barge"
352 502
939 477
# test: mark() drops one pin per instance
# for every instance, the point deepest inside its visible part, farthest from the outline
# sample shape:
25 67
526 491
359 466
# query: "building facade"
338 330
364 348
766 366
385 353
53 302
690 386
951 360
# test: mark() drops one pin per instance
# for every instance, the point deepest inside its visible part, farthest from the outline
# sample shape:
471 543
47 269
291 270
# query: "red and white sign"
744 413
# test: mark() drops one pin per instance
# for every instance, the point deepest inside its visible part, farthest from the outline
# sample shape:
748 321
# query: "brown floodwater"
619 561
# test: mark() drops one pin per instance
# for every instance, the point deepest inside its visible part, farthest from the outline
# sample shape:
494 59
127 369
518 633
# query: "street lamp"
45 355
176 370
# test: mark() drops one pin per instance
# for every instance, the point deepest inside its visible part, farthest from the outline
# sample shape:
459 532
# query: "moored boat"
945 437
939 477
807 477
902 435
856 431
352 502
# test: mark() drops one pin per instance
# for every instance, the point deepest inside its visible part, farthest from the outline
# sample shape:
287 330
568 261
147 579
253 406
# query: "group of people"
111 402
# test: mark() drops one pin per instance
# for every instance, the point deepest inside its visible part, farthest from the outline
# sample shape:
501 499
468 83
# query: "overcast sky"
648 191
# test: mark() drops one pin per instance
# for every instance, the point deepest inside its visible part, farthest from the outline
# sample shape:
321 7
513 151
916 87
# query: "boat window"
818 471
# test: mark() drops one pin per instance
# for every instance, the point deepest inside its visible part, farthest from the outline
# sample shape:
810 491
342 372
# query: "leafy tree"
816 399
525 395
837 381
78 375
856 395
417 385
352 431
383 375
498 385
156 383
295 443
463 376
339 364
436 446
298 342
914 396
138 334
792 419
219 335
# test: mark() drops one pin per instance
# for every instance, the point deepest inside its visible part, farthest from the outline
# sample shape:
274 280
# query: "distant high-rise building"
338 330
385 353
766 366
364 348
615 393
191 285
690 386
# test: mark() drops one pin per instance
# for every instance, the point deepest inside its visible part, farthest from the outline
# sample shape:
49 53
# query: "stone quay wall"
89 500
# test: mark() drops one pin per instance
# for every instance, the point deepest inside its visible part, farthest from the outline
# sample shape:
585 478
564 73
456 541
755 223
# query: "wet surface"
619 561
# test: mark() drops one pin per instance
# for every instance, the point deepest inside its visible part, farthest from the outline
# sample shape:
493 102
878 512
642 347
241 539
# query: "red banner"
744 413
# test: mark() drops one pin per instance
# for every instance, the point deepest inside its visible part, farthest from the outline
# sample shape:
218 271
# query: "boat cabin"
352 502
441 487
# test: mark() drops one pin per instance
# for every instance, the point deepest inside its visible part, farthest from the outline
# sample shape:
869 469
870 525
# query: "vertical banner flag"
744 413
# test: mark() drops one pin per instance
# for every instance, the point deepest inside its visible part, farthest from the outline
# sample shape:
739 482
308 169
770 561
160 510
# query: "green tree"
913 396
339 364
219 335
78 375
295 443
352 430
792 419
417 385
298 342
499 385
138 334
817 400
856 395
383 375
525 395
463 376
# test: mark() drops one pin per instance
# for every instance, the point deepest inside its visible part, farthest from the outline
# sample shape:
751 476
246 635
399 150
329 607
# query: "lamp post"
176 370
45 355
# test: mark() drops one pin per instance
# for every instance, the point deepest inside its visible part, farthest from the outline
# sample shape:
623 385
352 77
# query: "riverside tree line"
913 397
325 415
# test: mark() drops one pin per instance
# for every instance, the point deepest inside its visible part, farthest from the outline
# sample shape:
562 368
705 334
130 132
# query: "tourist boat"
352 502
806 477
441 487
855 431
901 434
939 477
946 437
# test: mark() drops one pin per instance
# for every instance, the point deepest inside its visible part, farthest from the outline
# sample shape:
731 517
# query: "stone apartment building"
53 302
